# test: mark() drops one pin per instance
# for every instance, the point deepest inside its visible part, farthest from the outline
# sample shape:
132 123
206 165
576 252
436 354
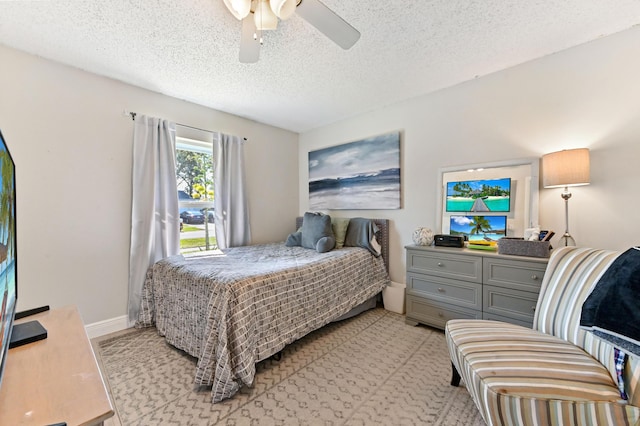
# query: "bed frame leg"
455 376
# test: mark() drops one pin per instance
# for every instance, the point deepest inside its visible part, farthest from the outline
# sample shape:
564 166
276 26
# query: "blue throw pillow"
294 240
317 233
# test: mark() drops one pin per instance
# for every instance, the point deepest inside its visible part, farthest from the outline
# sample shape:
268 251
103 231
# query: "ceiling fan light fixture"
238 8
266 14
283 9
264 17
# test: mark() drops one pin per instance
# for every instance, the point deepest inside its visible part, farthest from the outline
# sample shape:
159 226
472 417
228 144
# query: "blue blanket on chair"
612 310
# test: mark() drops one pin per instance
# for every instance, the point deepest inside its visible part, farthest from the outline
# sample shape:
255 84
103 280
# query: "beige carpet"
371 369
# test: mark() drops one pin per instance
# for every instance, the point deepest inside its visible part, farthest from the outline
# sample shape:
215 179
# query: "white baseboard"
112 325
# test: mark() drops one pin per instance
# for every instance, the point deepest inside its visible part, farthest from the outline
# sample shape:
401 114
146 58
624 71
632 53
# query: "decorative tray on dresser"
445 283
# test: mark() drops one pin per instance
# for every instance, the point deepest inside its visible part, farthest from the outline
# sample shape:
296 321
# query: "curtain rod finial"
127 113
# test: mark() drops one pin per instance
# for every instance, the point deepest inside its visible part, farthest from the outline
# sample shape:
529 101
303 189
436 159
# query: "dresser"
56 380
446 283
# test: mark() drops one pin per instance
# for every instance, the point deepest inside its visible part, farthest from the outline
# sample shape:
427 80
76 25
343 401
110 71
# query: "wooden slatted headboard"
382 236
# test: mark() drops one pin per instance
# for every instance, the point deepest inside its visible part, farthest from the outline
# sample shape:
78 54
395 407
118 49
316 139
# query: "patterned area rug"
367 370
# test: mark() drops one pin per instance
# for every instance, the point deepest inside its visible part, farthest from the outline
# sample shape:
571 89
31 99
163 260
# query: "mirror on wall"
504 195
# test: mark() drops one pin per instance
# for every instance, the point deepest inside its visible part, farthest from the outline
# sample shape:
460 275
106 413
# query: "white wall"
587 96
73 151
72 147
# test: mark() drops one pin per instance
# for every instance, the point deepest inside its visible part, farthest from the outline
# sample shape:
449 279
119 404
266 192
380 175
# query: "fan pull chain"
261 25
255 37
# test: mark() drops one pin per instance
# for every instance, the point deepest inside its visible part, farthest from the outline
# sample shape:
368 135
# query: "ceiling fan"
262 15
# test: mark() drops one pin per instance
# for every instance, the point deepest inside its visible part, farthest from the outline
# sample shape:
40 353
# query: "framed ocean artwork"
359 175
481 195
488 228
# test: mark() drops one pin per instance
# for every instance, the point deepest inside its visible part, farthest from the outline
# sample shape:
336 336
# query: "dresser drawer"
514 274
437 314
455 266
509 303
446 290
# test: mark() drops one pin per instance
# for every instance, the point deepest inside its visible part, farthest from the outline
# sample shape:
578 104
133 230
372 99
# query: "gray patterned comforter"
235 309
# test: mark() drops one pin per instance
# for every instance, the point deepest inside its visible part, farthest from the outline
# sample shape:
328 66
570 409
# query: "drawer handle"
440 264
441 290
534 277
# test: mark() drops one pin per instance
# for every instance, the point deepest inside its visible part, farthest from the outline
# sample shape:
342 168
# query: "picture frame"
479 195
478 227
359 175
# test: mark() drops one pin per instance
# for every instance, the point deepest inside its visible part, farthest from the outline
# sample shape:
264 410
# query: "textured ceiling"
189 49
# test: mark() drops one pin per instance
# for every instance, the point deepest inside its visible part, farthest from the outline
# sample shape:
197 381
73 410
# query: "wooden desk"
54 380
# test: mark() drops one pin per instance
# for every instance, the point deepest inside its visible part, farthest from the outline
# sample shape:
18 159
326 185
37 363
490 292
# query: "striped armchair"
555 373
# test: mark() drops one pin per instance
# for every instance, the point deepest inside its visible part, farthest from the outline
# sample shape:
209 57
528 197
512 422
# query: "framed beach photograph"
488 228
359 175
485 195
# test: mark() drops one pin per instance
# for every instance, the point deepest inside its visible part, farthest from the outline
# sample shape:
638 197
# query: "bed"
235 309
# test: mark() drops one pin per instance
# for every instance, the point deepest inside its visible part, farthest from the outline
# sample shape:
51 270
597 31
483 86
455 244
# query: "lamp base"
568 239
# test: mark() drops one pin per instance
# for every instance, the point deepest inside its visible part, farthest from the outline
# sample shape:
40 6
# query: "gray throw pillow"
325 244
294 240
362 233
317 233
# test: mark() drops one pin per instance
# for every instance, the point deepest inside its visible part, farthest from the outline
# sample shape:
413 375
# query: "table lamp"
569 167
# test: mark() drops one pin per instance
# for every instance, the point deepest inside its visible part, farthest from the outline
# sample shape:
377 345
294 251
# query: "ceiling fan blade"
249 47
328 23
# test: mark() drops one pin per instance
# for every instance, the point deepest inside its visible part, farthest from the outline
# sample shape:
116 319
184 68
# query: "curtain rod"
133 117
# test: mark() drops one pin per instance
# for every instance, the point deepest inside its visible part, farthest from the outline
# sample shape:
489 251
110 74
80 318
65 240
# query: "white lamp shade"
569 167
264 18
238 8
283 9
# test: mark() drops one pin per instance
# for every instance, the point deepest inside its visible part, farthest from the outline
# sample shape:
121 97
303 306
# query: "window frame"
204 145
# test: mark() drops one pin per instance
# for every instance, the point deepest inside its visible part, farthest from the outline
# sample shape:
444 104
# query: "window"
194 183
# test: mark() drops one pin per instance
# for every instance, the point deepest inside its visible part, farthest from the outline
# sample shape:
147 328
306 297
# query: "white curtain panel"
231 204
155 222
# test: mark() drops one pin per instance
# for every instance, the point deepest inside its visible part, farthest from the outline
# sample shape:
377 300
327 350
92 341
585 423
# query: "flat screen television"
479 227
8 266
483 195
